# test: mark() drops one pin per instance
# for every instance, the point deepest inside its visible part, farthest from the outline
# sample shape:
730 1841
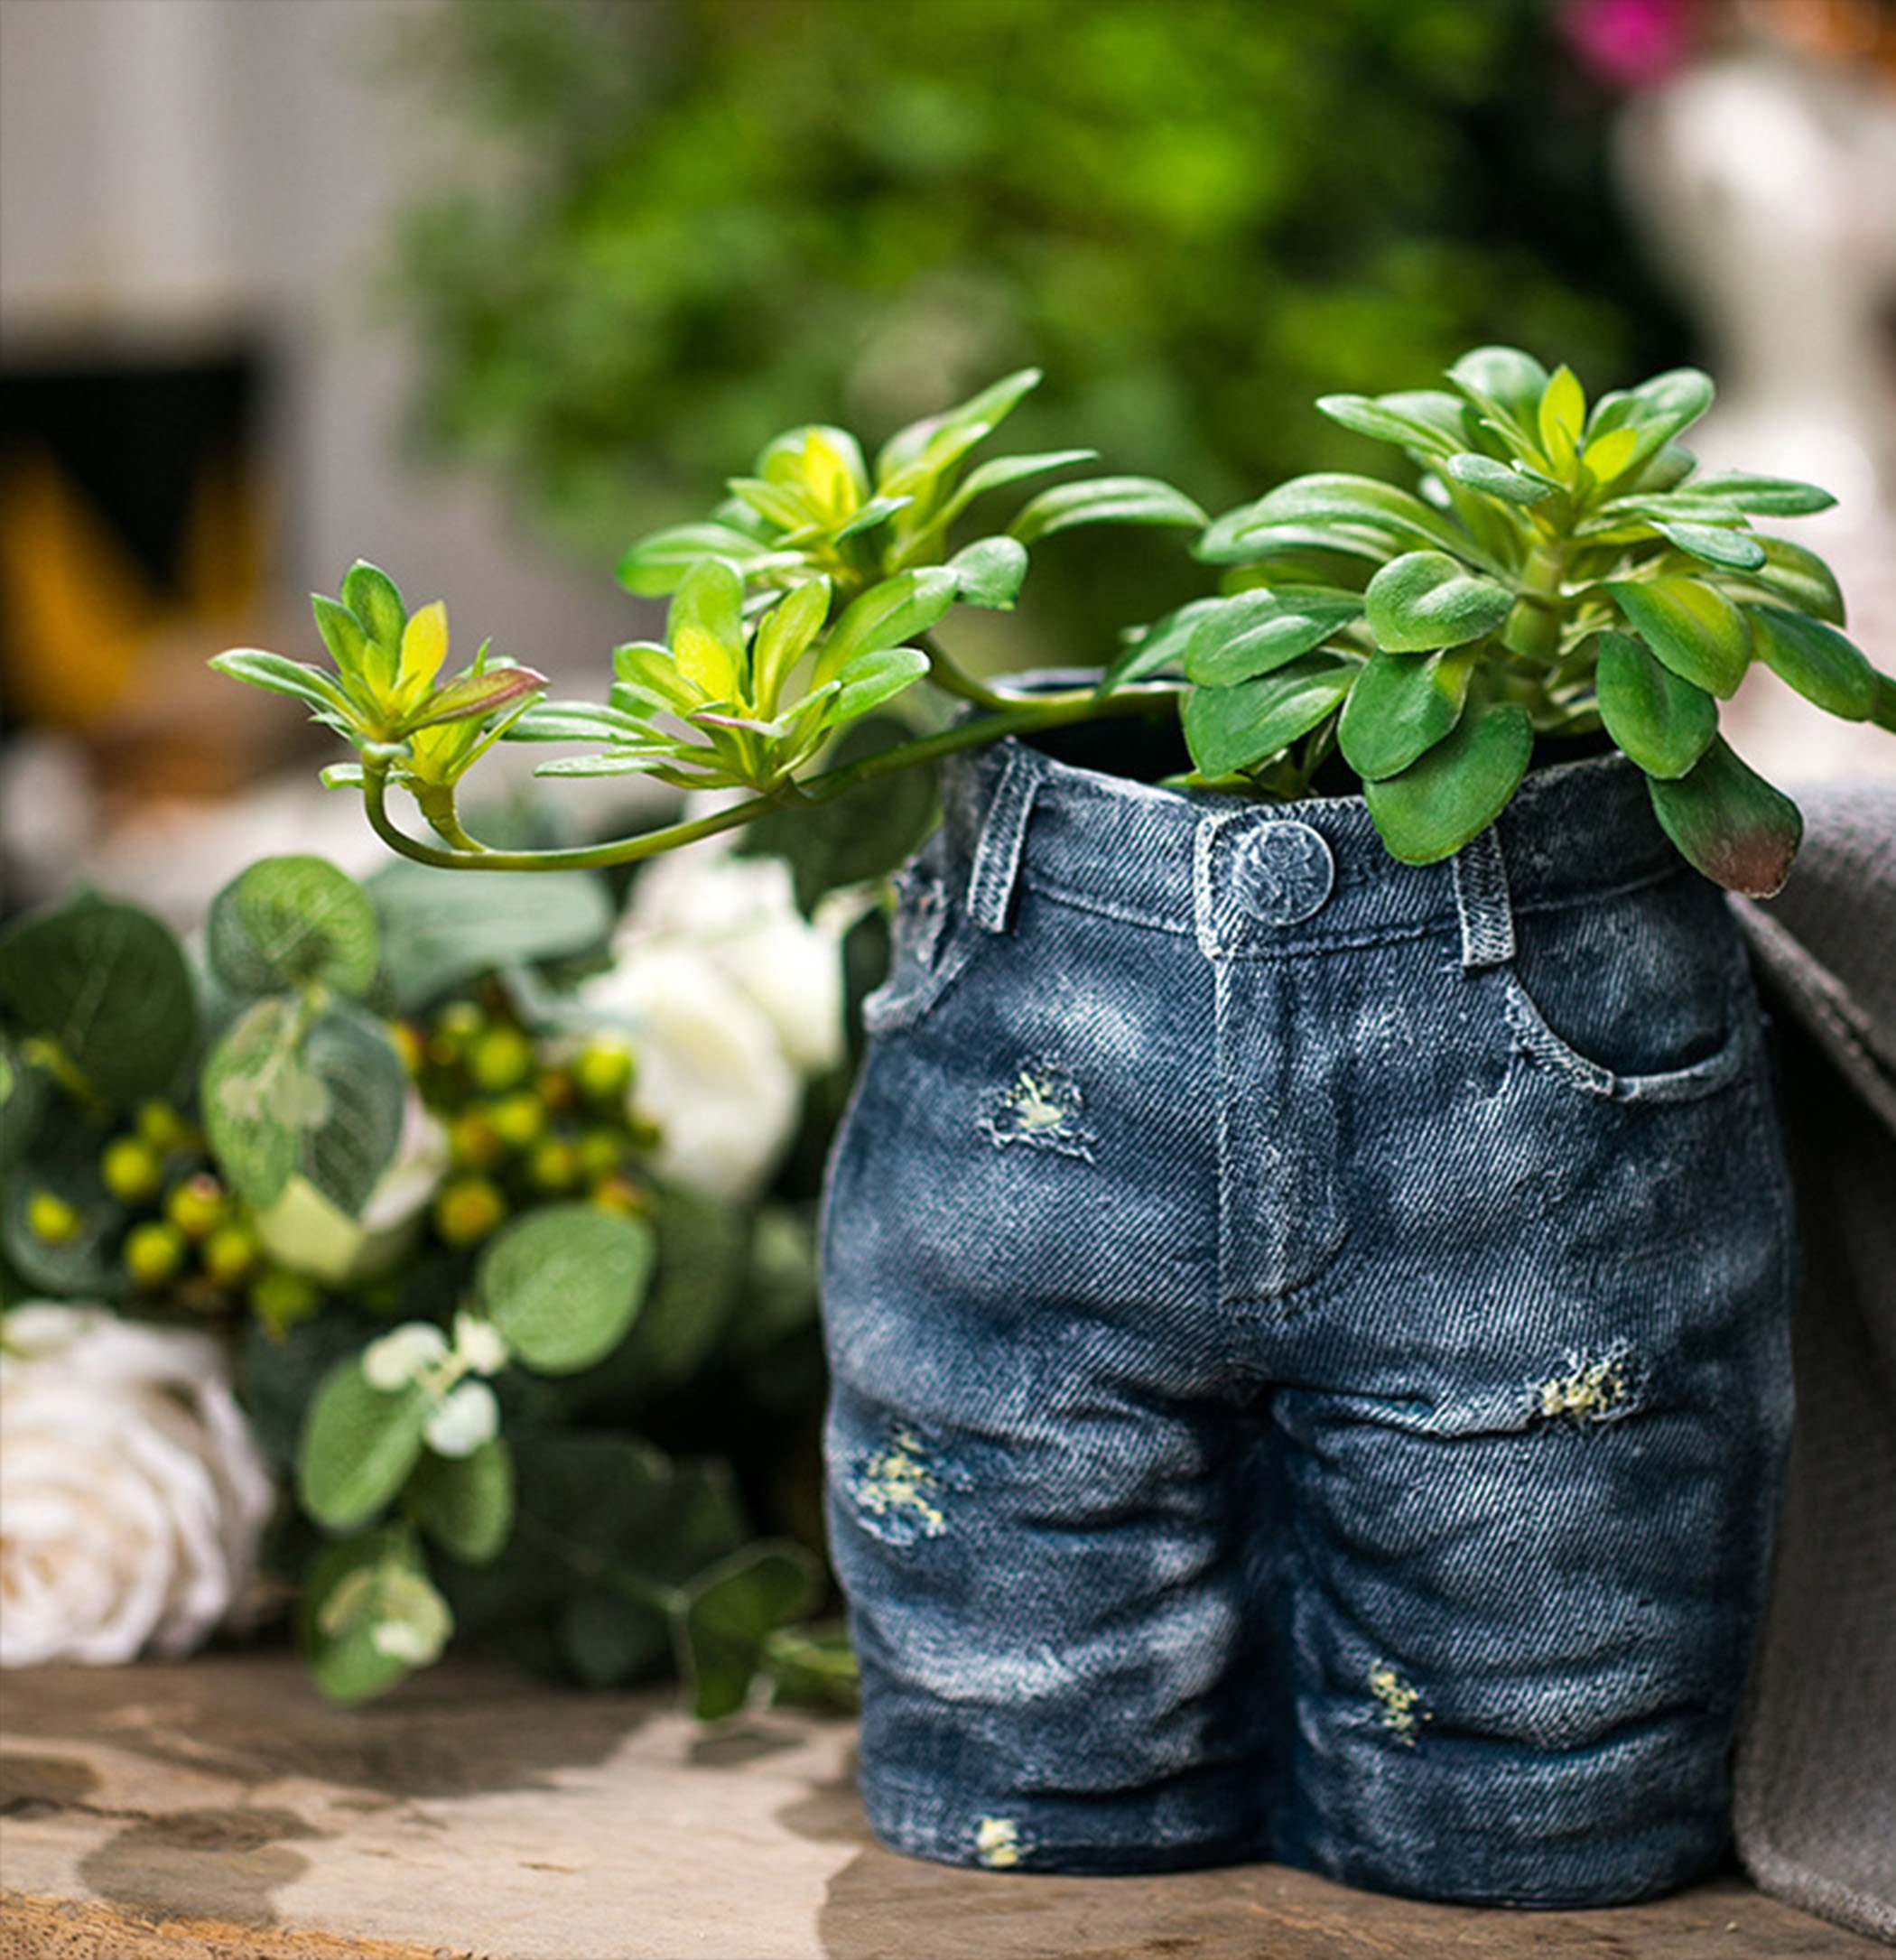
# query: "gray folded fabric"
1816 1789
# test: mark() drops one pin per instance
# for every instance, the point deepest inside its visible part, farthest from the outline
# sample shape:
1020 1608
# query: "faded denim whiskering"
1310 1343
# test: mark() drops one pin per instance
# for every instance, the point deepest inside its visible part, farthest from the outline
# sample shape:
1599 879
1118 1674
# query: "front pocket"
1644 997
1538 1042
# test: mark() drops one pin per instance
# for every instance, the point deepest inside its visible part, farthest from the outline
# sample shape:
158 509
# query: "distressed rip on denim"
1309 1342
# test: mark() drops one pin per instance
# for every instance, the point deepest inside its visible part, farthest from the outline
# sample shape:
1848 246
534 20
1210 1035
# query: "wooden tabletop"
218 1809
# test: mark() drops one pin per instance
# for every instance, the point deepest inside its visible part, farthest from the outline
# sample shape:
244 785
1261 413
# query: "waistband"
1252 879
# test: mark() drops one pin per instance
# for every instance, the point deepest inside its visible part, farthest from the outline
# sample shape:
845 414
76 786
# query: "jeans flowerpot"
1309 1339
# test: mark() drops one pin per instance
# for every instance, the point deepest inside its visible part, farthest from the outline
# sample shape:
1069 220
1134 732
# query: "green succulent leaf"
1425 600
1229 729
1456 789
655 564
282 677
1362 502
358 1444
1693 628
1815 659
370 594
1400 709
1425 421
343 633
872 678
896 610
1503 378
1764 496
1158 647
1256 633
1735 550
1511 484
1664 723
1658 410
989 572
287 922
563 1283
1796 578
1106 500
1730 823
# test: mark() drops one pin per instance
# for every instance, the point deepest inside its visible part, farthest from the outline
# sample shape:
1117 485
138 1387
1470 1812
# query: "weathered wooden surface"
218 1810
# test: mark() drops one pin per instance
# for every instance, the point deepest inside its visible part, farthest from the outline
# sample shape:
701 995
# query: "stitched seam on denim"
1003 836
1483 903
1688 1083
1443 922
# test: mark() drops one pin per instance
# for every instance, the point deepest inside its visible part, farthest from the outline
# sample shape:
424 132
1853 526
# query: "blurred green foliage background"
671 228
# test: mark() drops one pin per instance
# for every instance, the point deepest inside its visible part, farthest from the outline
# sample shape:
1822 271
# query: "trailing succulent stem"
1559 570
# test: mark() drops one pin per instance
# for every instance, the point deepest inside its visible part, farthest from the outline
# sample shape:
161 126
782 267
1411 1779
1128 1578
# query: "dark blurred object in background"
680 226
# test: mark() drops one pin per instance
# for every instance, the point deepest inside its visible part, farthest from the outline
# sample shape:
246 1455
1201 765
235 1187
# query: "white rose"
712 1078
304 1231
740 914
131 1496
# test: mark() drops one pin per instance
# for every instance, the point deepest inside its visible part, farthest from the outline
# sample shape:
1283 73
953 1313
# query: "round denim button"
1283 872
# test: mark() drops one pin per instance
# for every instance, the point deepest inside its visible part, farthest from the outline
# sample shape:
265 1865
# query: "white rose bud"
712 1075
740 914
132 1495
468 1417
403 1356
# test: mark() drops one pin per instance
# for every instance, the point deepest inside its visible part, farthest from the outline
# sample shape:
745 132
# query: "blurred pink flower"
1631 44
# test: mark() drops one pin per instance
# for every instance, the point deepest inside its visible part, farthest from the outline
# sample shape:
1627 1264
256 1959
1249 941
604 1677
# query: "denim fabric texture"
1309 1340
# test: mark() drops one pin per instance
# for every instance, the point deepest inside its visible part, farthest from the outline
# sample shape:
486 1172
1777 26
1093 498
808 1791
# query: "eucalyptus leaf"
441 928
562 1284
1400 708
1456 789
369 1615
729 1611
358 1446
107 983
1425 600
1730 823
284 922
1815 659
1232 729
1664 723
1693 628
466 1503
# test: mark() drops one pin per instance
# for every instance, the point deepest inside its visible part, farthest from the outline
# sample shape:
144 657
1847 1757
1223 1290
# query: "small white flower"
132 1495
403 1356
400 1641
478 1345
468 1417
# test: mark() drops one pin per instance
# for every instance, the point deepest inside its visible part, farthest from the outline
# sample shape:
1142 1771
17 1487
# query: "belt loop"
1481 896
997 858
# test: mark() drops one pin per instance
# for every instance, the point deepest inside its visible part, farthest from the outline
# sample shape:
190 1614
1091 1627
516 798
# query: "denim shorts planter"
1310 1343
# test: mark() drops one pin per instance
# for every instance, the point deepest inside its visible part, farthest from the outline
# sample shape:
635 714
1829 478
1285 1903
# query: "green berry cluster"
523 1130
189 1235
